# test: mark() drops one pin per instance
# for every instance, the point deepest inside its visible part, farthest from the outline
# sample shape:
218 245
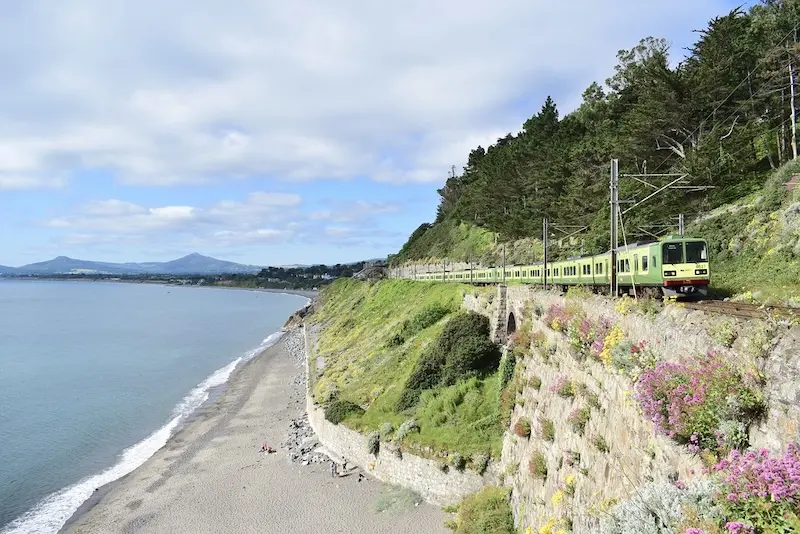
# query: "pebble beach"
211 477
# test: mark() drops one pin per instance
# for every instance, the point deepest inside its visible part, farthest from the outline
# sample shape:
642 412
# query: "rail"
744 309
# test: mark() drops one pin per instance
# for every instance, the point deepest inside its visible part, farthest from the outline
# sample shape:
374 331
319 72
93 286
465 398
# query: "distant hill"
191 264
4 269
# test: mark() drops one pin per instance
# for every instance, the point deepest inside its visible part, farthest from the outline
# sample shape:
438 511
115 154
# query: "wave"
52 512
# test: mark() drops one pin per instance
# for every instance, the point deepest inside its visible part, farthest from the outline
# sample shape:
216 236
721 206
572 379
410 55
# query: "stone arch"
511 324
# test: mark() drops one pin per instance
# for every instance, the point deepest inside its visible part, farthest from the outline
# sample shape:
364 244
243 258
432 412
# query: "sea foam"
52 512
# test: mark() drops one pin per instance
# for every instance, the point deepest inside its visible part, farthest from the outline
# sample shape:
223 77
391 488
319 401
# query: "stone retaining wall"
410 471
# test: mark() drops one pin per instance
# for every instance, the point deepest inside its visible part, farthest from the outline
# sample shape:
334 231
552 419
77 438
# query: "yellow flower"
558 497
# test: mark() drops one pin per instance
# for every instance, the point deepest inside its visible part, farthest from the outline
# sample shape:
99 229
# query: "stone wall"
636 455
407 470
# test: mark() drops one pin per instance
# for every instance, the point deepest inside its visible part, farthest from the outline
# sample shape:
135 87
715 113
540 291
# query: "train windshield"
696 252
672 253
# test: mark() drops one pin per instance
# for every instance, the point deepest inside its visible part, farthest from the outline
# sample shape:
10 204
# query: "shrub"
660 507
480 461
330 394
578 419
535 382
424 318
724 332
599 443
572 458
395 341
538 465
563 387
539 339
374 442
462 350
458 461
761 490
691 403
474 356
386 429
487 511
507 365
405 429
633 359
547 429
338 410
522 428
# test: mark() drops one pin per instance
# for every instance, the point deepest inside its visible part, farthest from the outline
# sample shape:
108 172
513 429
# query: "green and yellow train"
673 267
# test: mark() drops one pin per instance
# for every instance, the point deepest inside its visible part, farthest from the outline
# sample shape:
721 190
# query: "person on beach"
333 468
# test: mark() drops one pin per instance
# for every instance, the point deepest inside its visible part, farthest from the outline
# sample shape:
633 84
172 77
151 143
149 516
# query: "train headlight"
669 273
700 271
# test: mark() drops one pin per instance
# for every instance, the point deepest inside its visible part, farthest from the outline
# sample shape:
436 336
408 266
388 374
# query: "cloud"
178 92
258 218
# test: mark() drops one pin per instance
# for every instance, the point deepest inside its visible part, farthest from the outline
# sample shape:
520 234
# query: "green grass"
485 512
360 319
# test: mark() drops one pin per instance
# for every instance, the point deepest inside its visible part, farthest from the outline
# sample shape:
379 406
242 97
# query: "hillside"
720 119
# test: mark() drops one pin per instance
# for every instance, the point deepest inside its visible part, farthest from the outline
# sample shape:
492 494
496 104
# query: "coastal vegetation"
406 356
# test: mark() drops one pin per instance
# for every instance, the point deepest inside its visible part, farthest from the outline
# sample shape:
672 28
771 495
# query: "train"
673 267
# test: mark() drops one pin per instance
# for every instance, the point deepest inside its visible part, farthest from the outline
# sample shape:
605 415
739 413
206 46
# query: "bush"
563 387
406 428
458 461
578 419
386 429
522 428
474 356
761 490
599 443
724 332
538 465
462 350
480 461
692 404
535 382
374 442
547 429
423 319
507 365
487 511
339 410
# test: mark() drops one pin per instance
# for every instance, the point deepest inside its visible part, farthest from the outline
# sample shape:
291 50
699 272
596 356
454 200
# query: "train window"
555 272
644 263
672 253
655 263
627 265
696 252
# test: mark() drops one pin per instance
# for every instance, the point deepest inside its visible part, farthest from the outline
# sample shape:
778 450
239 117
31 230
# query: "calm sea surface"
95 377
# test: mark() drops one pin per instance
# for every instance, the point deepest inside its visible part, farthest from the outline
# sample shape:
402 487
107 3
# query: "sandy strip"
210 477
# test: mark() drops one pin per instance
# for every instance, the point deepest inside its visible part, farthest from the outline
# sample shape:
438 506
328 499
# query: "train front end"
684 267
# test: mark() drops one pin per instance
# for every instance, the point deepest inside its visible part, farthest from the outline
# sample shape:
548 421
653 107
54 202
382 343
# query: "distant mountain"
191 264
4 269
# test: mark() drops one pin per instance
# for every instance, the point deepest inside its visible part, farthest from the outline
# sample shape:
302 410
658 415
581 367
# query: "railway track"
745 310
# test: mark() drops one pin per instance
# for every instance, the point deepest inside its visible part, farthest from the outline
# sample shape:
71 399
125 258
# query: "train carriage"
674 266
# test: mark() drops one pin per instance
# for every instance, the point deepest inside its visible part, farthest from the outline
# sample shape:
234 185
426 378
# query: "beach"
211 477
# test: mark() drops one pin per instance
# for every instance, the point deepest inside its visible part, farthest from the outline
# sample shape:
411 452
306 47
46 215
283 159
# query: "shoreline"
308 293
205 408
213 463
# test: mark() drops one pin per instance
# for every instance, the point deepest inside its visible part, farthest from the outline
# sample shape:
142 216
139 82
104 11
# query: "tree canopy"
721 116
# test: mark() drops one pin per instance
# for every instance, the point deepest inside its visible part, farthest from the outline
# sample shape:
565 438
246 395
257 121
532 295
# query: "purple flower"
736 527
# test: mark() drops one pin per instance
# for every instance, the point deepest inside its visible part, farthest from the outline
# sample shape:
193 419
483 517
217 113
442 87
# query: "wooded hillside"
723 117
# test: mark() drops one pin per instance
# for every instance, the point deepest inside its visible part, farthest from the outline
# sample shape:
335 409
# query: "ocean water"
95 377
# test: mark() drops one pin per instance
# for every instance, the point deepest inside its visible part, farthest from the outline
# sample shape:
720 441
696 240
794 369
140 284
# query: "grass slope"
364 363
755 243
454 241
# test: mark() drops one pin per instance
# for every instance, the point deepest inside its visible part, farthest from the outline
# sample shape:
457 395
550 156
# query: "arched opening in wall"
511 325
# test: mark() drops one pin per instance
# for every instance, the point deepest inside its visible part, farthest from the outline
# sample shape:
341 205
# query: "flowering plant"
692 403
563 387
762 492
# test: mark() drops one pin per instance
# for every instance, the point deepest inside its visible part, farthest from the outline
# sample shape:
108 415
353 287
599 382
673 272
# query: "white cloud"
174 91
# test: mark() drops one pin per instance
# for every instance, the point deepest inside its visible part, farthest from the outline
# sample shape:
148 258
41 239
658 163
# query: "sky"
272 133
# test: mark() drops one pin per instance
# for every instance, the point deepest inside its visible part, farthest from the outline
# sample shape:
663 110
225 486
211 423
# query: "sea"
96 376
